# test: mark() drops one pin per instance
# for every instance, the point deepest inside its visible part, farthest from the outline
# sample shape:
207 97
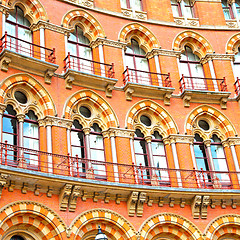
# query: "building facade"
123 114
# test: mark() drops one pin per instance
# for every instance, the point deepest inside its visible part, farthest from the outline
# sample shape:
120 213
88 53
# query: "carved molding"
68 81
196 206
48 76
102 41
128 94
56 121
3 181
64 197
177 138
73 198
141 200
121 132
208 57
204 206
4 63
163 52
108 90
131 203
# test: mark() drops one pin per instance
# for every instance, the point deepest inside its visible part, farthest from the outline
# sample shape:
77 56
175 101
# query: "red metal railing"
204 84
27 48
147 78
23 158
89 66
237 86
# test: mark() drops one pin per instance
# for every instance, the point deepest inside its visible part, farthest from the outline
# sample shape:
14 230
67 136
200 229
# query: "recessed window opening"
16 237
20 97
145 120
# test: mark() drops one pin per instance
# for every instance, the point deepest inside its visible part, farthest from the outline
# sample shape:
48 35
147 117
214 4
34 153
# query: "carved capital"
20 117
64 197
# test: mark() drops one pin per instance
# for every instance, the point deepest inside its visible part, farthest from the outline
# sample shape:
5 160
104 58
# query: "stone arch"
233 44
102 112
224 127
91 27
146 39
39 99
115 225
199 44
33 9
162 120
168 223
223 225
39 220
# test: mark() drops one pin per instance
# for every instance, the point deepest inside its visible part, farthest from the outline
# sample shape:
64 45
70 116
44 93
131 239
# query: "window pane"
31 143
96 141
11 139
9 125
124 3
140 146
78 151
30 130
77 138
175 11
137 5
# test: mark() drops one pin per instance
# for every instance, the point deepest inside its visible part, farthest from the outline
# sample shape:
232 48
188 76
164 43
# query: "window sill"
205 97
194 22
134 14
33 65
142 90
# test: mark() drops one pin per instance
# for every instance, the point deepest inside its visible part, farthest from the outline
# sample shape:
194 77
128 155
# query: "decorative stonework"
64 197
73 198
4 63
177 138
107 42
140 202
131 203
232 23
56 121
228 57
163 52
121 132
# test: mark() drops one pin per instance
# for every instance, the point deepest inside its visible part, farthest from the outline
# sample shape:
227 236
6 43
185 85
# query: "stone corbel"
223 203
49 192
68 81
196 206
223 103
37 190
4 63
24 188
171 202
150 202
131 203
107 198
141 201
166 98
118 198
11 186
48 76
182 203
205 203
64 197
108 90
234 204
186 100
84 196
95 196
128 94
160 202
73 198
3 181
213 203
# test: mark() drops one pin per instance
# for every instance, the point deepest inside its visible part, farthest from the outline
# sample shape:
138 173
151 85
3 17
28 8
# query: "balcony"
88 73
147 84
20 54
208 90
22 159
237 88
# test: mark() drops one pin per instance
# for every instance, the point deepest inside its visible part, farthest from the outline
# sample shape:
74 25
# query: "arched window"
211 158
137 63
134 4
151 157
236 64
97 154
183 8
227 10
78 147
31 138
192 70
80 51
18 27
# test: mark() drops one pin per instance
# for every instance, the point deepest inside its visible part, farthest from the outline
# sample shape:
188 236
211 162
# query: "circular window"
204 125
145 120
20 97
85 111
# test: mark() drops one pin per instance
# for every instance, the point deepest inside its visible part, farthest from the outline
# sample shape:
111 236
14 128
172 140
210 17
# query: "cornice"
50 26
177 138
112 43
208 57
120 132
163 52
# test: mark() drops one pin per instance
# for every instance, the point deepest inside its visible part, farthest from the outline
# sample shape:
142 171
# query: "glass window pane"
136 4
140 146
31 143
96 141
175 11
30 130
124 3
9 125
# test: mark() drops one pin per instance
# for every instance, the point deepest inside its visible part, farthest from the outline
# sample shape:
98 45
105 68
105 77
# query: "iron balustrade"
237 86
88 66
203 84
147 78
23 158
27 48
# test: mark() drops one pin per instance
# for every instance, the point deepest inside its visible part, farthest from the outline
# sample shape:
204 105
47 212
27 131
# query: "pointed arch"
115 225
33 9
91 27
38 97
225 127
146 39
233 44
103 113
169 223
159 115
40 219
225 224
199 44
